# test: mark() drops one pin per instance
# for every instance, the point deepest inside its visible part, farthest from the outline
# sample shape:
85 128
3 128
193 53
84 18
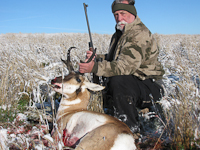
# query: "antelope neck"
74 103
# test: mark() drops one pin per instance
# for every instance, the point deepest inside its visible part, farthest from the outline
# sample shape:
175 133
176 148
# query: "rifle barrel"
85 8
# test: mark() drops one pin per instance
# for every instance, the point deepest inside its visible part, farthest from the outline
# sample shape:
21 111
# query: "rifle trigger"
90 59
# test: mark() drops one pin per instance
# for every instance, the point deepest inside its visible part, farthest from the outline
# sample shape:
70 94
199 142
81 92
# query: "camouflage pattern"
136 53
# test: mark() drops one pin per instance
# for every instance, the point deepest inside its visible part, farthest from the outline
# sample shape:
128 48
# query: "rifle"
91 47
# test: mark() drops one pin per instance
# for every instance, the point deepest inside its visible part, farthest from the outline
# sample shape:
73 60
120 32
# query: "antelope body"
82 129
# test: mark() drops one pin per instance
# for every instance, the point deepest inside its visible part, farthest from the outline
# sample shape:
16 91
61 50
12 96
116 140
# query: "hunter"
131 68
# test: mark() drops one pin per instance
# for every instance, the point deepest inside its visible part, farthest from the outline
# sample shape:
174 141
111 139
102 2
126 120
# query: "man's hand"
87 67
89 54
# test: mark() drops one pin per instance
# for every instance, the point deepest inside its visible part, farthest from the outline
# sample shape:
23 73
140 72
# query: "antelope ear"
93 86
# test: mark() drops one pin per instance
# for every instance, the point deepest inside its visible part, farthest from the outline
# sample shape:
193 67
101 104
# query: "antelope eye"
78 80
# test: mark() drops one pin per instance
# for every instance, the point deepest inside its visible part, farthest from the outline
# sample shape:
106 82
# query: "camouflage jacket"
135 53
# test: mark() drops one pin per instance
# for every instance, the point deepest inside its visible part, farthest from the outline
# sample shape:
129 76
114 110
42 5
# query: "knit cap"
121 6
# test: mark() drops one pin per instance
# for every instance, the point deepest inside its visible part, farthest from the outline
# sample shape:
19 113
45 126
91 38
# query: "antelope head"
74 83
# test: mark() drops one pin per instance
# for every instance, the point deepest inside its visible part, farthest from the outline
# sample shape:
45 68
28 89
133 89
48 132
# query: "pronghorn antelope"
82 129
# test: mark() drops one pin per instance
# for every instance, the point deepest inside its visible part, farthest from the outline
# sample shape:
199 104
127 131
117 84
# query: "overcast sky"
57 16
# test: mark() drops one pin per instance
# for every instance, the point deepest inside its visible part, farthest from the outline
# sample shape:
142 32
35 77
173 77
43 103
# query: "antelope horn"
68 61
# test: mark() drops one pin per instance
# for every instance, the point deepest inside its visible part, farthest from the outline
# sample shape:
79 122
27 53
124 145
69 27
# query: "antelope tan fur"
78 128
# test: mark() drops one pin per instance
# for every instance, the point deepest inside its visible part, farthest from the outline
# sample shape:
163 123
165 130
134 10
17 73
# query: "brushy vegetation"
29 61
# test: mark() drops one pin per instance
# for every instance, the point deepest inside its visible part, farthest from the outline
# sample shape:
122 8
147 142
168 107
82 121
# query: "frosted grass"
29 61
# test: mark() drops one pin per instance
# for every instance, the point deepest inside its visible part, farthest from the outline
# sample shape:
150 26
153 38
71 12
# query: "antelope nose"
53 81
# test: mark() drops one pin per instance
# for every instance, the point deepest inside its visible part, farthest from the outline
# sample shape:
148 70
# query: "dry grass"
183 53
29 60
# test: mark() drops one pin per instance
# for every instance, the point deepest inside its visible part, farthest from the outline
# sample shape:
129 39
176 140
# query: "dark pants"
124 94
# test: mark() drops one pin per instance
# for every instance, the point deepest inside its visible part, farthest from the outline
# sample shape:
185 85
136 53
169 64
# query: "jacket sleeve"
101 56
129 58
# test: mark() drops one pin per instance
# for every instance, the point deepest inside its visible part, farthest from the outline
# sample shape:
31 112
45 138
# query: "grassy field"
29 61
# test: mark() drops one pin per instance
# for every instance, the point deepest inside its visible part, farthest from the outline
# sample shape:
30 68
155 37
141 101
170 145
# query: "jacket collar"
131 25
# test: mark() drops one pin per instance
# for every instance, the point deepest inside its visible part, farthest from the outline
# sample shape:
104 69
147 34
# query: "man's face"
122 17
